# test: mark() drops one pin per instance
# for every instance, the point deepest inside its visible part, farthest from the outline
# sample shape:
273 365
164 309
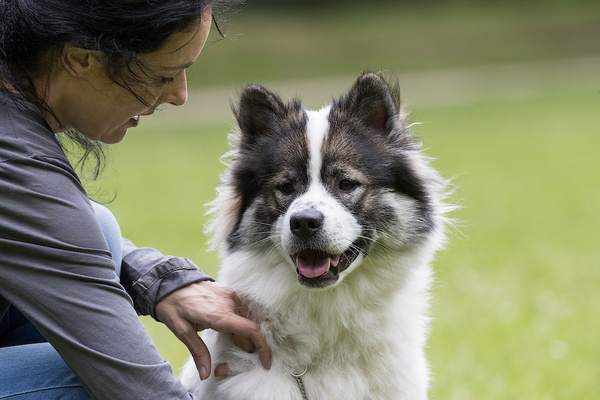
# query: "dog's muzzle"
316 268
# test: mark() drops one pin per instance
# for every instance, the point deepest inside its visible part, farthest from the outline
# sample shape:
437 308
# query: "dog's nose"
306 224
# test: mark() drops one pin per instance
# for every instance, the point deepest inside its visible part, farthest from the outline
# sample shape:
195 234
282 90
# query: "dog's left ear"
375 102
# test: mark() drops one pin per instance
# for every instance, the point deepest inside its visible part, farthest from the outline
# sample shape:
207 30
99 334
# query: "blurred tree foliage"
294 5
299 39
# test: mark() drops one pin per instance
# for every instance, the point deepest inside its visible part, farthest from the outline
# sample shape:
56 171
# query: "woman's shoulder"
31 157
25 133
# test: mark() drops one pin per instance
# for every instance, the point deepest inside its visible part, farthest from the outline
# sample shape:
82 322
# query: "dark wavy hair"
33 34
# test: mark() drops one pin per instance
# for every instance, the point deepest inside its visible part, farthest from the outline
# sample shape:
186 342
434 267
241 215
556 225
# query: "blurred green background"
508 94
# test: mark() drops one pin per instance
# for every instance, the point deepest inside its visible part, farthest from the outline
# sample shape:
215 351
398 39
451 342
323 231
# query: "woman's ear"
78 62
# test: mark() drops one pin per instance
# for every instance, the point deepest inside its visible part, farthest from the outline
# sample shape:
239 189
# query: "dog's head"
327 188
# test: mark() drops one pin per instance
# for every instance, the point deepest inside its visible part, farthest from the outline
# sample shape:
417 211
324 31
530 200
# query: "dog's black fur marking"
366 123
274 147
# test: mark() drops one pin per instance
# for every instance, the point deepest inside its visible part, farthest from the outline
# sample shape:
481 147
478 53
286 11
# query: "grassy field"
517 301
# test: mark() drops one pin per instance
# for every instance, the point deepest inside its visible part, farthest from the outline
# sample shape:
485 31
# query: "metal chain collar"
298 378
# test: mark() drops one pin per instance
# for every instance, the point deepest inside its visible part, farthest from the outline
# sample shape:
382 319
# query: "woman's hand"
206 305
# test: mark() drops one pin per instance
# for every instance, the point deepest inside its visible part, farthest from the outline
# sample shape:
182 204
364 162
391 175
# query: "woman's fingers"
209 305
247 336
222 370
199 353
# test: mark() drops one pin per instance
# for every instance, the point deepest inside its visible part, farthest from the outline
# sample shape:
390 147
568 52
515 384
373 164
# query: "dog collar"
298 378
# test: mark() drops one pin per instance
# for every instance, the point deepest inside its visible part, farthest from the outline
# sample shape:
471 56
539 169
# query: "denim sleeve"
148 275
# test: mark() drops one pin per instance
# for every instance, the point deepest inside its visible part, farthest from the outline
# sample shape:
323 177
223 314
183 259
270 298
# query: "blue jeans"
30 368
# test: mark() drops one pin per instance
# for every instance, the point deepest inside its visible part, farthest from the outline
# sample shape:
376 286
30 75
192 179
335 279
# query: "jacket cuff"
148 275
164 279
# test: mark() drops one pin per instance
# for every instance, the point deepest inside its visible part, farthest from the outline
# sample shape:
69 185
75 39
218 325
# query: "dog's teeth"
335 260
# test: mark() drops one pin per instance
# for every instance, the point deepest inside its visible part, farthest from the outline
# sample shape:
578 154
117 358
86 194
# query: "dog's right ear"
257 111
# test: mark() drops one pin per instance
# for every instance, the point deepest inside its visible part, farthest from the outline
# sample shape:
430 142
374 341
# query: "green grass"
516 302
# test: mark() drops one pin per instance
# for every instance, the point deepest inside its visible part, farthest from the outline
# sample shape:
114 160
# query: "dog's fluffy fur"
327 222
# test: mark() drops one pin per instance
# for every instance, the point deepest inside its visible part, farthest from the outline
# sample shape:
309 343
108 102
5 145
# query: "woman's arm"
174 291
56 268
148 275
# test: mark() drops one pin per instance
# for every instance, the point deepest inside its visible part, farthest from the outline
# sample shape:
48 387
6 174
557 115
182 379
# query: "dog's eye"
286 188
347 185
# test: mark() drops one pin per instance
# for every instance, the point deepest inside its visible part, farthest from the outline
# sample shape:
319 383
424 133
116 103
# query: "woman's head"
131 39
84 98
33 35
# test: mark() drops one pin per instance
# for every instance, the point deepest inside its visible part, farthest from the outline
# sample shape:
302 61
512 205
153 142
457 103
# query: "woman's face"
104 111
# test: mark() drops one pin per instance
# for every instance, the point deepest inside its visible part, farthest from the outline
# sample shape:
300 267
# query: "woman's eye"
347 185
286 188
165 80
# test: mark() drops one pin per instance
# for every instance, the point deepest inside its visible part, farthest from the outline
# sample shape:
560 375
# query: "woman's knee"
112 233
36 371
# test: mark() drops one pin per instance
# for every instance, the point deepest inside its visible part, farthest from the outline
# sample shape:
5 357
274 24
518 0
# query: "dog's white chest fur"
352 346
330 251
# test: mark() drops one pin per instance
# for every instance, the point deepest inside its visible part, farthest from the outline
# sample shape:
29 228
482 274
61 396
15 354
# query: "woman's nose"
177 93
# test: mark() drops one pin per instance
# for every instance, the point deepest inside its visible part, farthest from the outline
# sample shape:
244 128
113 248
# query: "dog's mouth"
319 269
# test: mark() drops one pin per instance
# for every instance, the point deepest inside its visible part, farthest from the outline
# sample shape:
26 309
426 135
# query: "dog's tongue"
312 264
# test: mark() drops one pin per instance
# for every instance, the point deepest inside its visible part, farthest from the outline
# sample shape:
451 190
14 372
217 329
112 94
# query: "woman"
91 69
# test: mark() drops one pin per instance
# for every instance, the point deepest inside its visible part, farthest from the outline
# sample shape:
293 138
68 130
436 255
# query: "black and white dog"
327 222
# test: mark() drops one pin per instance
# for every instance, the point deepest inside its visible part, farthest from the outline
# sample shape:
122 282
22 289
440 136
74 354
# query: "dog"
327 222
